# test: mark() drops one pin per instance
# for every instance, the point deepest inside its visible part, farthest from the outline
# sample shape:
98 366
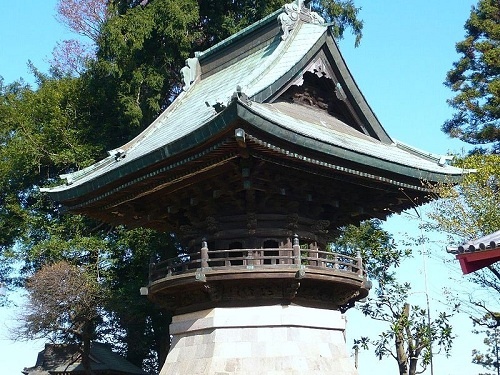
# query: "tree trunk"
161 323
87 334
137 349
402 358
86 355
413 365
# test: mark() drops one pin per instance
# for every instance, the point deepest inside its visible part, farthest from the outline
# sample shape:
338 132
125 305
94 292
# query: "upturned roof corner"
283 76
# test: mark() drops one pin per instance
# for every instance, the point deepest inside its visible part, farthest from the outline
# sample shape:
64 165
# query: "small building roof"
477 254
66 359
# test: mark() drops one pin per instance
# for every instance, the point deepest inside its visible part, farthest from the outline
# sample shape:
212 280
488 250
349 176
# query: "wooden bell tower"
270 148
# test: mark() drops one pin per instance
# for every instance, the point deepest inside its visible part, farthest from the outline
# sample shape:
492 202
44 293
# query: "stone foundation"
271 340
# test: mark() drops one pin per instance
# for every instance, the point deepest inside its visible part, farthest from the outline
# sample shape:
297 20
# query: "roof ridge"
280 50
247 30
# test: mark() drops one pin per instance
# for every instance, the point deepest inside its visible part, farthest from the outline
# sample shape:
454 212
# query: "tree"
475 78
43 134
63 305
69 121
145 326
470 209
343 14
466 212
41 137
137 71
86 18
488 325
411 333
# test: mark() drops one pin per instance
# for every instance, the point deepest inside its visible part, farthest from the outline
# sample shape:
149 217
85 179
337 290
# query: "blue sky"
406 50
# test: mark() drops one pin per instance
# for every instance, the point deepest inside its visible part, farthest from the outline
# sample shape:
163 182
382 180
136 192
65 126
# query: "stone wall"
267 340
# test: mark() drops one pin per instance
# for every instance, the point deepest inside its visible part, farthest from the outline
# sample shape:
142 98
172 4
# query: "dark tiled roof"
489 242
58 359
477 254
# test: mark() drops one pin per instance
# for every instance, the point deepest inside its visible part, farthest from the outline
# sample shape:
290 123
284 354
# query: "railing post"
314 253
249 259
296 250
204 254
360 263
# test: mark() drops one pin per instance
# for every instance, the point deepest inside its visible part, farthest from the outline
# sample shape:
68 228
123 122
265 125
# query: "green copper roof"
317 130
260 71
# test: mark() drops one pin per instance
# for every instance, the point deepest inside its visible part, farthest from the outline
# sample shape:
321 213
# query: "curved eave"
124 168
247 113
220 123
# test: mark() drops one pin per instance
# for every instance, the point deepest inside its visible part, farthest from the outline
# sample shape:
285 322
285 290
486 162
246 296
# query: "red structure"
479 253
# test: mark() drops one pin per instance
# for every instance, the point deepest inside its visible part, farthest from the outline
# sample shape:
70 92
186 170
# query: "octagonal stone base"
269 340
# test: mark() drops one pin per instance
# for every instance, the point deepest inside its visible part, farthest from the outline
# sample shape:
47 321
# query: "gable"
280 69
321 79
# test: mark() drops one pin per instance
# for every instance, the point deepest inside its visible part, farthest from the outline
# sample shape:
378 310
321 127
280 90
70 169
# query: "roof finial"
291 15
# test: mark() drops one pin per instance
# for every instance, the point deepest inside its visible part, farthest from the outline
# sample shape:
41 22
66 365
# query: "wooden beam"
474 261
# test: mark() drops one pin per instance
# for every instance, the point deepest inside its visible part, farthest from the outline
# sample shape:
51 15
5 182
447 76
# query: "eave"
240 114
478 254
471 262
270 126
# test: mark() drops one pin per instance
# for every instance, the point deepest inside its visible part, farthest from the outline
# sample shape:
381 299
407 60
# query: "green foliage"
488 326
470 210
342 14
475 78
44 132
410 334
42 135
143 324
136 74
220 19
377 247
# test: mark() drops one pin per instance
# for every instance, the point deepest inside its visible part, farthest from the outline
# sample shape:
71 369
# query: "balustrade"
258 259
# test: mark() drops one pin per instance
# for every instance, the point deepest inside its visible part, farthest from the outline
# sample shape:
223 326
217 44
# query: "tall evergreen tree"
475 78
69 121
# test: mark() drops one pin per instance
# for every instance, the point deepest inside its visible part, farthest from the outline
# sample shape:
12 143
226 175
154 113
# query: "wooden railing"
256 259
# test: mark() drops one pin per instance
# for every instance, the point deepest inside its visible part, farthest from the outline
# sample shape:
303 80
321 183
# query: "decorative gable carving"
190 72
293 13
320 91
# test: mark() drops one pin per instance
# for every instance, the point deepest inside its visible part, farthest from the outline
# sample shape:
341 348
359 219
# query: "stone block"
280 340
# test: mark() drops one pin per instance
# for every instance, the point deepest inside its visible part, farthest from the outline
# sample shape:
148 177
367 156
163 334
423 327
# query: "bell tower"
267 152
